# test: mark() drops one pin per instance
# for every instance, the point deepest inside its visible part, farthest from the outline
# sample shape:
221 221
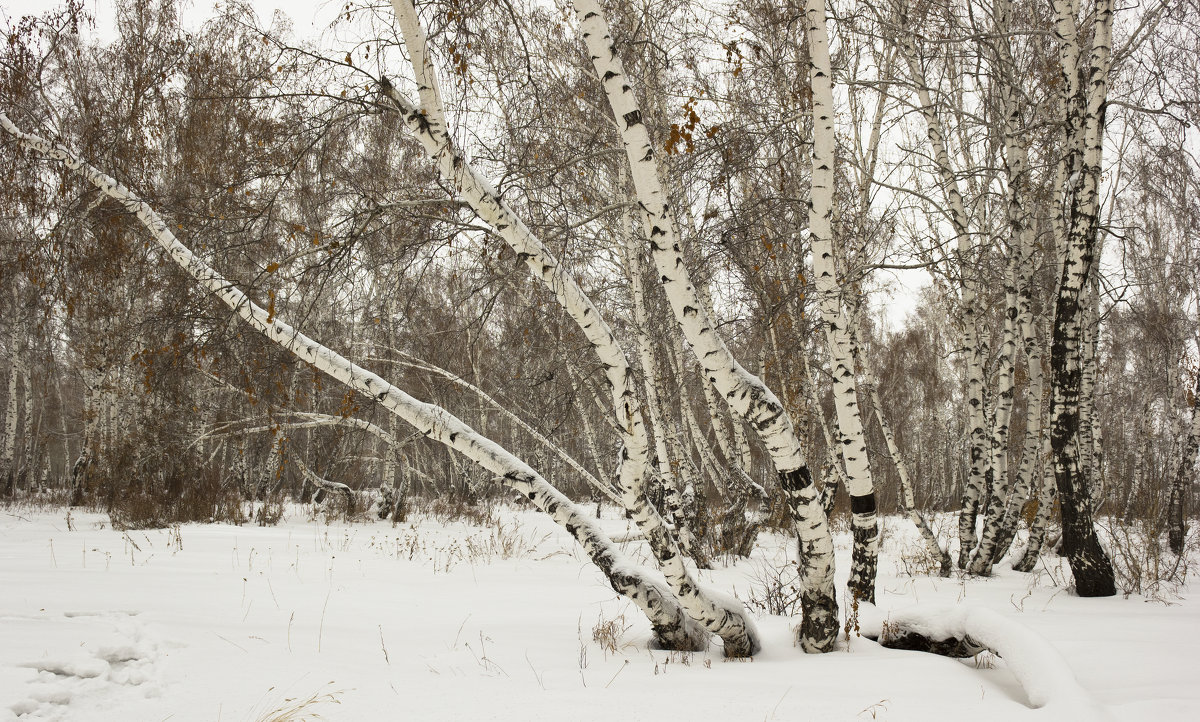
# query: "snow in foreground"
427 620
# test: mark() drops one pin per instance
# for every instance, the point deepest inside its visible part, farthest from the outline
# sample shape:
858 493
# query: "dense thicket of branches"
976 156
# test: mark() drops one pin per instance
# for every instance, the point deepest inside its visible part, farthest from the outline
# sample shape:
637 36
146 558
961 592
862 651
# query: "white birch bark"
745 394
81 469
670 622
28 463
864 522
1019 315
1084 136
719 616
1047 492
508 413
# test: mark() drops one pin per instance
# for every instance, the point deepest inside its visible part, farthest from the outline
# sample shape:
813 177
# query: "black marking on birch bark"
632 118
796 480
864 504
609 75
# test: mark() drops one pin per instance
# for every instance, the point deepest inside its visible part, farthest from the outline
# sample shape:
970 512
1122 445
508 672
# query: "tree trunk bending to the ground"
1084 136
718 615
672 626
864 521
1176 519
745 393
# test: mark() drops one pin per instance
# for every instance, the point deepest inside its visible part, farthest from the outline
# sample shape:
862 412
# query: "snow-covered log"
961 630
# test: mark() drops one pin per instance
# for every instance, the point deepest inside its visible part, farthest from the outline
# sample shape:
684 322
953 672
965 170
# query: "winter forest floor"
433 620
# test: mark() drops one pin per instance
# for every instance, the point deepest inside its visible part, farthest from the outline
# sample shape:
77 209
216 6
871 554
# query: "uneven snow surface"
447 621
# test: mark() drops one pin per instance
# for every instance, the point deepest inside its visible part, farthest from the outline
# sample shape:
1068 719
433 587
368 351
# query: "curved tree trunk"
428 123
672 626
746 395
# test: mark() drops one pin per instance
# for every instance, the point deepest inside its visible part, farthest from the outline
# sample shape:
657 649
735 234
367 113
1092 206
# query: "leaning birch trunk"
670 467
1084 120
723 617
945 565
973 490
1176 519
672 626
746 395
864 523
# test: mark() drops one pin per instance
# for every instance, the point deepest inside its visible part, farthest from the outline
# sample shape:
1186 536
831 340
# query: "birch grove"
702 267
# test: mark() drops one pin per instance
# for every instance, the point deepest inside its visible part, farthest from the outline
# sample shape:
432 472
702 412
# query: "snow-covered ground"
432 621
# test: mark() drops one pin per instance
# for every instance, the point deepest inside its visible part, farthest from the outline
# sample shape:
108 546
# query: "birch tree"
1085 90
747 396
671 625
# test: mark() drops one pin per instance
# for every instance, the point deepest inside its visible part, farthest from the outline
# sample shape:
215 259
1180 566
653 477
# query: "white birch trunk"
864 522
670 623
1047 492
721 617
1084 135
746 395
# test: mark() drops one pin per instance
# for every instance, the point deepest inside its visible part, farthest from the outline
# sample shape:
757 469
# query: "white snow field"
447 621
